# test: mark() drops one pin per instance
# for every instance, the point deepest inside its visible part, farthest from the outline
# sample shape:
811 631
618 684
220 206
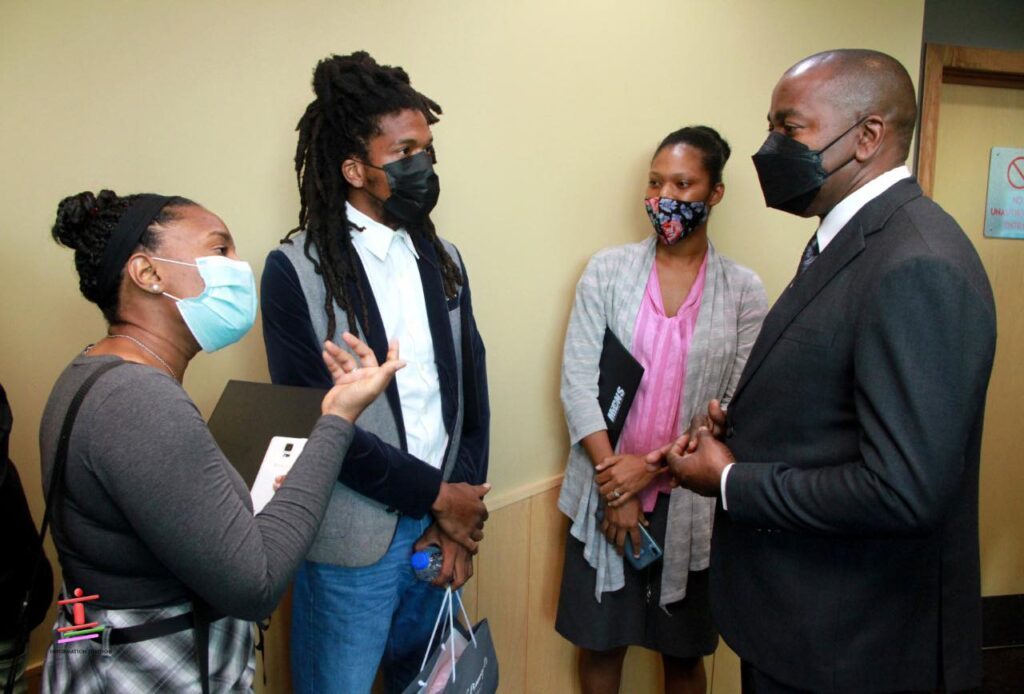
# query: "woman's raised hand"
356 384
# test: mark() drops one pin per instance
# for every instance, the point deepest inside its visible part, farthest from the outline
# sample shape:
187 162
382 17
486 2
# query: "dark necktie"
809 255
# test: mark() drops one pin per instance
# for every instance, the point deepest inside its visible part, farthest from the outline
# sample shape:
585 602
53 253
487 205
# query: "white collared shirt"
389 258
834 222
844 211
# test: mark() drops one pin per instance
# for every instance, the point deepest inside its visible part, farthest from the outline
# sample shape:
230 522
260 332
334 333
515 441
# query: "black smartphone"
650 552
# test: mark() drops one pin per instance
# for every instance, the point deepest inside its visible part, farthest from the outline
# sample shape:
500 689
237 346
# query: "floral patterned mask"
674 220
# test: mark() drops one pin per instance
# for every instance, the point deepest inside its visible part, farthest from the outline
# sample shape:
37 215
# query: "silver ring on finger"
615 494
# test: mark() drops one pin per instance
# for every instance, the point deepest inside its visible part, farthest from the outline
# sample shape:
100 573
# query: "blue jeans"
347 621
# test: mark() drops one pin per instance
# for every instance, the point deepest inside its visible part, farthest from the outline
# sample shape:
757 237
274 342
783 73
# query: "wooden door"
973 100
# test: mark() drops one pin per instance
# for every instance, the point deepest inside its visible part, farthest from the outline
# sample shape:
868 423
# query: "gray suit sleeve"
175 487
922 357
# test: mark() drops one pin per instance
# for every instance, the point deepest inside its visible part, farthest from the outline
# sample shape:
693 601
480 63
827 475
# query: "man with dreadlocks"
366 259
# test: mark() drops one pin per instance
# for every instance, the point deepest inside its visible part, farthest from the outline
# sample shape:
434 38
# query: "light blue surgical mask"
226 310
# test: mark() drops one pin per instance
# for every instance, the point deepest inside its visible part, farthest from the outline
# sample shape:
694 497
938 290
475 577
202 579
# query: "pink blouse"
661 344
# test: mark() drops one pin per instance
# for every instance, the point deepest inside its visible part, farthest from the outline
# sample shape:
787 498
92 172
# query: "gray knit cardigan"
609 294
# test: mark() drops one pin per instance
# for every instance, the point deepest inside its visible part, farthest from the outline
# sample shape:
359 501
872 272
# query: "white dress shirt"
389 258
843 212
834 222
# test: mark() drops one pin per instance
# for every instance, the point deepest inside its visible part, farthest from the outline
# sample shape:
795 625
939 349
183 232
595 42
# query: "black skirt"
631 615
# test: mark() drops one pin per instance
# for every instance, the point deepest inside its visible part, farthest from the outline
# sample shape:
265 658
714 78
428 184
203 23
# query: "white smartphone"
277 461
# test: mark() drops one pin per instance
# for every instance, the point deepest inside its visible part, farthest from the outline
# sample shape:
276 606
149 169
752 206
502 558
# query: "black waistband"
118 636
151 630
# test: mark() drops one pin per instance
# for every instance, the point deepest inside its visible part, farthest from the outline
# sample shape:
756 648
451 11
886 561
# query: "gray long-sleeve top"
152 511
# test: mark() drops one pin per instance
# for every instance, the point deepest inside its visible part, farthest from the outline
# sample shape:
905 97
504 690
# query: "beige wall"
961 186
551 113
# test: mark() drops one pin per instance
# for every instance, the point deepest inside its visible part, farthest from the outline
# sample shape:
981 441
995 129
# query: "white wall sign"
1004 208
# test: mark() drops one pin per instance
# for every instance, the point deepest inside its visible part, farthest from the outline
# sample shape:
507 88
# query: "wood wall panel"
502 578
641 671
276 653
723 670
551 660
469 593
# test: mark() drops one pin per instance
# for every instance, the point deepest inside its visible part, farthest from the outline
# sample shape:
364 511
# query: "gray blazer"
356 530
609 294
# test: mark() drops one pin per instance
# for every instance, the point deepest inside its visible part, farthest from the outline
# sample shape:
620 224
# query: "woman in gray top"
690 317
150 516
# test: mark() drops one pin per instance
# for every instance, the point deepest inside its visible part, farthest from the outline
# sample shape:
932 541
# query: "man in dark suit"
845 553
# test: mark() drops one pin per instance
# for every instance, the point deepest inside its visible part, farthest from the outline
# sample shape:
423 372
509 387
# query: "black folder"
248 415
619 379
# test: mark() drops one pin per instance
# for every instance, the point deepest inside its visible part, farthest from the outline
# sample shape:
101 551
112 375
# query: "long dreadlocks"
352 93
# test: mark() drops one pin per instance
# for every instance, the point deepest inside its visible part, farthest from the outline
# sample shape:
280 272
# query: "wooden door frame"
946 64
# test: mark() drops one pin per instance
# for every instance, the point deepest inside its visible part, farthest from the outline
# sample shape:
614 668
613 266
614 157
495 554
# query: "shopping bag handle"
469 624
447 601
444 601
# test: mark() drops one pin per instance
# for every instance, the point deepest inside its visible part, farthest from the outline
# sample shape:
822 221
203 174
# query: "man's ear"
354 172
869 137
143 273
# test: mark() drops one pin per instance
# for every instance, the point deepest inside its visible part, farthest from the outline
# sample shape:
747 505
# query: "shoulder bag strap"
201 624
56 482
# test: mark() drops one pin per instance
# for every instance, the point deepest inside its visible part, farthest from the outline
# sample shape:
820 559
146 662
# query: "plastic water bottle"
426 563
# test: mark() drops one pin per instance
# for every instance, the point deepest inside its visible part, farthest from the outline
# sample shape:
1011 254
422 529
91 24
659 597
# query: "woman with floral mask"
147 513
689 316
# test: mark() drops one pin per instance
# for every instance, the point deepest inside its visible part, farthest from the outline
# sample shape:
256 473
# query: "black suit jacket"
848 558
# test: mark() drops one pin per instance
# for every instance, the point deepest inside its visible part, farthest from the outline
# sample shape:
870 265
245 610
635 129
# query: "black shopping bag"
464 661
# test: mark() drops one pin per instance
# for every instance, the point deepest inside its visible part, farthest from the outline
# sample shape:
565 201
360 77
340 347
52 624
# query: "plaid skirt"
164 664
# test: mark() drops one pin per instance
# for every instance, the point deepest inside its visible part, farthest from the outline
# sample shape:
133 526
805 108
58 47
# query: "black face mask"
791 173
414 187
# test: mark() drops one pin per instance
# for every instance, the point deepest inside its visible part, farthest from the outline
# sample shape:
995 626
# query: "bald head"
860 82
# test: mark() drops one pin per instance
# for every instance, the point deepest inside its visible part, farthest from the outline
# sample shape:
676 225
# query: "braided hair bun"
353 91
85 223
78 224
